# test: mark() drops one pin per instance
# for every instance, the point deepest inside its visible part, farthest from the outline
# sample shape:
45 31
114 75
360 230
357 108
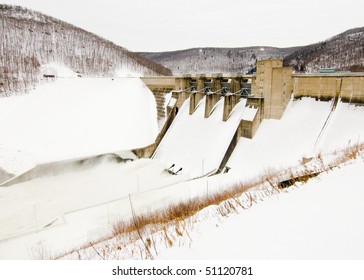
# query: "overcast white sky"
161 25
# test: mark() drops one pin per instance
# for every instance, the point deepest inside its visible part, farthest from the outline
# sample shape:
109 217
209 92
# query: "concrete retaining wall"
325 87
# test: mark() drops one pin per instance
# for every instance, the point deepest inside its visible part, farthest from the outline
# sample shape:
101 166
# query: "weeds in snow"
141 236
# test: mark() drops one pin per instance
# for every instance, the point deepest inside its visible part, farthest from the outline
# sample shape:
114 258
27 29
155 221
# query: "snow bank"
198 144
80 202
280 143
10 104
320 220
80 117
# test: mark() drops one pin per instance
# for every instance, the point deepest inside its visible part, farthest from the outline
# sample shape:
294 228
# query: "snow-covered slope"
318 219
343 52
8 105
300 133
322 219
88 192
78 117
31 40
281 143
198 144
345 127
308 222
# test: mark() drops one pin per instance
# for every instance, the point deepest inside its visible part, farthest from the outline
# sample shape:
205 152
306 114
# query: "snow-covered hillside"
318 220
215 60
31 40
324 207
344 51
73 118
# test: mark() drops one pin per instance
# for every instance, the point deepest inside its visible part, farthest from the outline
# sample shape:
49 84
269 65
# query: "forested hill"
215 60
344 52
31 39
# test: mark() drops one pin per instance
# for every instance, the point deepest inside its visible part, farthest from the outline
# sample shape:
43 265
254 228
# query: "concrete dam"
211 113
213 131
206 116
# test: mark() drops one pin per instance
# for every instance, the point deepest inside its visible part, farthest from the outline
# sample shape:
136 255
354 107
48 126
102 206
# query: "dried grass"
181 217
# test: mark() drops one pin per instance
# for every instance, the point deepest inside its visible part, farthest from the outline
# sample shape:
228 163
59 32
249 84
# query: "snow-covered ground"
345 127
279 144
75 203
322 219
10 104
318 220
198 144
88 201
76 117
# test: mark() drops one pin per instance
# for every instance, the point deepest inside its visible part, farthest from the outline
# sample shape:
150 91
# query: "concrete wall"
249 128
230 150
148 151
145 152
263 82
257 102
165 82
210 102
280 94
352 89
195 98
274 83
229 103
180 97
161 85
324 87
